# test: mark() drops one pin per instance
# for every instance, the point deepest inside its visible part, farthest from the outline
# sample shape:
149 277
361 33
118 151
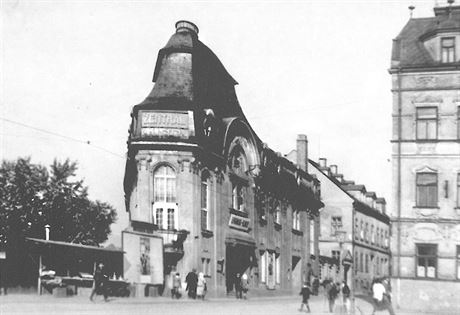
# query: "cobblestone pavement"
32 304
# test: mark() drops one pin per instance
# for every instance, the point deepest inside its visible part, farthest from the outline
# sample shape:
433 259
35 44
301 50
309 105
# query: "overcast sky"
75 69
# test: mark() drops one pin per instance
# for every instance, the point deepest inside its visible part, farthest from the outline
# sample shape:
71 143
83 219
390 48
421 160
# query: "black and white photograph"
229 157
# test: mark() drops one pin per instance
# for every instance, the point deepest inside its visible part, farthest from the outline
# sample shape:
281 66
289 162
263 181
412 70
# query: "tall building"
425 70
203 191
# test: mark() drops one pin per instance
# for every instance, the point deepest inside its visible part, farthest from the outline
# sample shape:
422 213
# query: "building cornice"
426 68
426 220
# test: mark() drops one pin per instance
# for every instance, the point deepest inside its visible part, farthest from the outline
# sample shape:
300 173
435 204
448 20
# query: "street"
32 304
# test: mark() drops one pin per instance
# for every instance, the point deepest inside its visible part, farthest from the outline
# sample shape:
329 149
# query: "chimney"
322 162
186 26
333 169
302 152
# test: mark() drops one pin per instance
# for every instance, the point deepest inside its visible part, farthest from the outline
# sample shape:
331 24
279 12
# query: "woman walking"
201 286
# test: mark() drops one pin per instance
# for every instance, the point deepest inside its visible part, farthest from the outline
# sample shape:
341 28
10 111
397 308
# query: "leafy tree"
32 197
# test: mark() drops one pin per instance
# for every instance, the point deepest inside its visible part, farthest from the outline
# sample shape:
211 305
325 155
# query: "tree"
31 197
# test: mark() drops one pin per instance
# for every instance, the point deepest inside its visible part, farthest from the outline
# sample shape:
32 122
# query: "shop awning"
235 237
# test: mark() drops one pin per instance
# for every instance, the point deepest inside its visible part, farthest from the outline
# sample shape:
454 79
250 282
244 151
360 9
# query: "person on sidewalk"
381 296
238 289
201 286
332 293
305 293
346 297
244 285
100 282
192 281
176 283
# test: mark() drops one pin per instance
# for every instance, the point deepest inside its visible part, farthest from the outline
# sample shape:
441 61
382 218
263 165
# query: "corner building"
203 191
425 244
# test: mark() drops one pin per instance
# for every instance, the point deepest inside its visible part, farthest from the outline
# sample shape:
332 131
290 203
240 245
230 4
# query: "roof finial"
411 8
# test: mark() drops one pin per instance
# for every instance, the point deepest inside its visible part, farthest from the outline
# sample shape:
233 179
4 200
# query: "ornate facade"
203 191
425 70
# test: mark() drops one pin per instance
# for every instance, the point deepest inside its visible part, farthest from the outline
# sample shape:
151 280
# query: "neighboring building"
350 210
425 70
200 180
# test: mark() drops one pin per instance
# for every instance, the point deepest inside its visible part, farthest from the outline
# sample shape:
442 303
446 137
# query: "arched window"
165 210
164 184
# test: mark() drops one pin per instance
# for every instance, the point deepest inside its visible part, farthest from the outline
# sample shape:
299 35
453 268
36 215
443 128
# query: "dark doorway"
238 260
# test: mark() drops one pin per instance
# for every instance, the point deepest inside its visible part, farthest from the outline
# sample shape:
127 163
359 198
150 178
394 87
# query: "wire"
88 142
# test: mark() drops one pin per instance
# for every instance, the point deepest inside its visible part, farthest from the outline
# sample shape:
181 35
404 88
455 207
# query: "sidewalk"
288 304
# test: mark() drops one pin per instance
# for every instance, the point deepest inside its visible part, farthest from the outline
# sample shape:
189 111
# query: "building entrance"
239 259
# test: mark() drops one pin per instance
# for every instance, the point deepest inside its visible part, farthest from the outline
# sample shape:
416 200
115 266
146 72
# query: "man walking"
100 282
192 282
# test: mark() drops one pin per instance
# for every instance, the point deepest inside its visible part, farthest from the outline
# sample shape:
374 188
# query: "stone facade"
425 241
199 177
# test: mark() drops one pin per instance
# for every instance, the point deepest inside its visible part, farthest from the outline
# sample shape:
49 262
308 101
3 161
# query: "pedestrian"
192 281
346 296
315 288
99 282
244 285
309 274
176 284
201 286
305 293
382 296
332 293
238 289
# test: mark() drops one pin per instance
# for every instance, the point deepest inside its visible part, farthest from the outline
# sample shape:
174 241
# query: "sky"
72 70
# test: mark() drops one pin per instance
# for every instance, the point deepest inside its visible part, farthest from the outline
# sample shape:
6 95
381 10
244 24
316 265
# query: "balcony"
173 241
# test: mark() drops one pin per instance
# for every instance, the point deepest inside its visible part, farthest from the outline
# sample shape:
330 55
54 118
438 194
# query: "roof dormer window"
448 49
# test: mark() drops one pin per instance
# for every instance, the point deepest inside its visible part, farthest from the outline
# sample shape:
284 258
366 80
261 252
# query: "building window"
336 225
426 260
159 217
458 122
356 263
296 220
448 49
458 190
164 184
205 197
356 229
458 261
238 191
206 266
336 255
361 231
277 214
372 235
366 265
377 261
427 123
164 195
427 190
171 219
366 233
361 269
278 268
263 267
377 237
